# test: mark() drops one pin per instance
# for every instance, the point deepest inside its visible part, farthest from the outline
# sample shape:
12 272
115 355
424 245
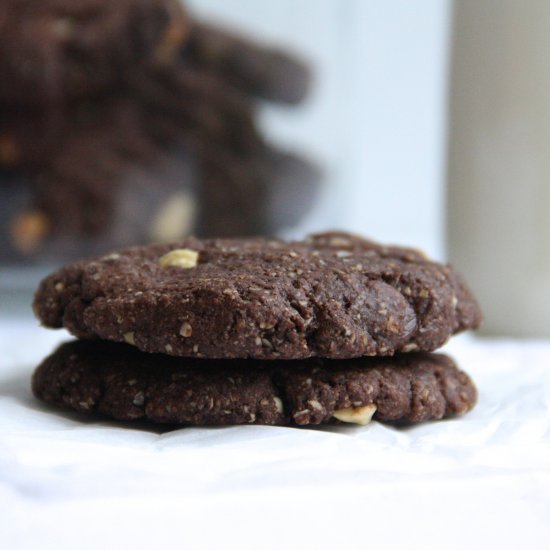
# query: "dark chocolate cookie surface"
118 381
334 295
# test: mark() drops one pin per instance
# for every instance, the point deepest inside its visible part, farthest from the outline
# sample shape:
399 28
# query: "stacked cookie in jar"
132 122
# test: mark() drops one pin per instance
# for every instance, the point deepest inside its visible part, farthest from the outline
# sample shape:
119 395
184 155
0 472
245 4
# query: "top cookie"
333 295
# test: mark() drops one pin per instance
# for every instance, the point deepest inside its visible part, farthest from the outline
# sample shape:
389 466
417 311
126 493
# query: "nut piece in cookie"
182 257
356 415
28 231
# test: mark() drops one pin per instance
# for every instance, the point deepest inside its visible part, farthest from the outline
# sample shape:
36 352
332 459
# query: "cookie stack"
112 112
251 331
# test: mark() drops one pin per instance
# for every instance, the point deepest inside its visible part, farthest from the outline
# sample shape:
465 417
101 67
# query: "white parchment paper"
482 481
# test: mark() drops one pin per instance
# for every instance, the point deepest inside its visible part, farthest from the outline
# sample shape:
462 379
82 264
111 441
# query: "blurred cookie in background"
173 149
117 174
255 69
56 50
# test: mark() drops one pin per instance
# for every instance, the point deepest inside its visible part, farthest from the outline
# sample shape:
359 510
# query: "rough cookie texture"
118 381
334 295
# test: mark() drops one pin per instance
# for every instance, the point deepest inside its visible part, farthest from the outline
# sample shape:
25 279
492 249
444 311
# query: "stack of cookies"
251 331
112 112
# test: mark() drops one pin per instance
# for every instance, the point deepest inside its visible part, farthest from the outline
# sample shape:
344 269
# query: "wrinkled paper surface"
482 480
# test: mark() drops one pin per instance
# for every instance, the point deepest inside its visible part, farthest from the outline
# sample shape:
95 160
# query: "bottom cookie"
118 381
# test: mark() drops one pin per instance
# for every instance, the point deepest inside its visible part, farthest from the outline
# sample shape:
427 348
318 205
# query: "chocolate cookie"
253 68
118 381
334 295
54 50
108 174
